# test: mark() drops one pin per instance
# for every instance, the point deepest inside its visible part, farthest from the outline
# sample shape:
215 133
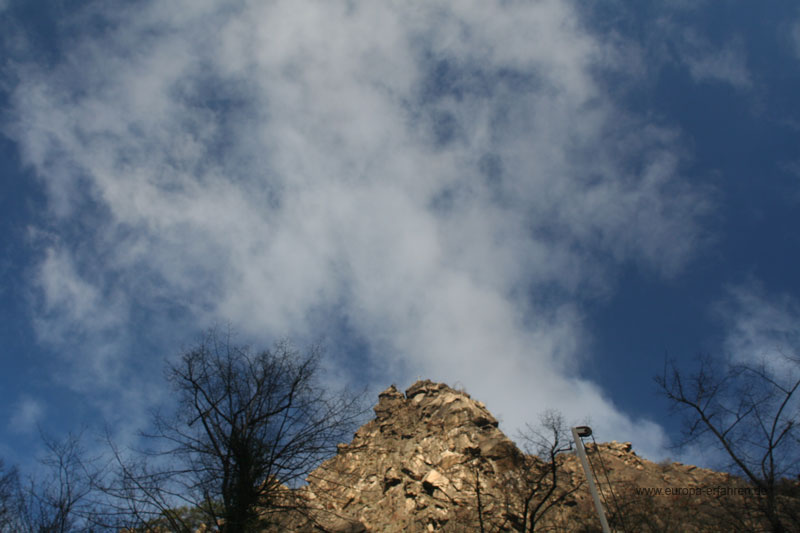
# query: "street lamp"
577 433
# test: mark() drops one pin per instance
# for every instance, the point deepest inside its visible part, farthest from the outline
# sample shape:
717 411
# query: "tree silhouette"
248 428
751 412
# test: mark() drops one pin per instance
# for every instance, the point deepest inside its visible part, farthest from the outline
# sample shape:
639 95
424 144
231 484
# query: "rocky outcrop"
433 459
415 466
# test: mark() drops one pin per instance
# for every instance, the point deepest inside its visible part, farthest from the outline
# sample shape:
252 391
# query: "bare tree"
137 494
9 489
532 484
57 499
493 509
249 427
752 414
541 486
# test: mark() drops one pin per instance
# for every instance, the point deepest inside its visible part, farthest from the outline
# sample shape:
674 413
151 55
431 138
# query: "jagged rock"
388 401
422 447
432 454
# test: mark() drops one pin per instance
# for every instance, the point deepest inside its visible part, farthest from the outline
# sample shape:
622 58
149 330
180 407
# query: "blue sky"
537 201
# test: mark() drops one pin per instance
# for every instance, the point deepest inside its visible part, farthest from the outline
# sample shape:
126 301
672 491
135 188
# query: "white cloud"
27 413
418 170
675 43
710 63
761 328
82 319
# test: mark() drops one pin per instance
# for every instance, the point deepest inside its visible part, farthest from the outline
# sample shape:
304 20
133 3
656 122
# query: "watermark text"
699 491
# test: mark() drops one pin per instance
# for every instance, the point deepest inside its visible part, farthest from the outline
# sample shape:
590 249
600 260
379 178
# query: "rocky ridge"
434 459
412 467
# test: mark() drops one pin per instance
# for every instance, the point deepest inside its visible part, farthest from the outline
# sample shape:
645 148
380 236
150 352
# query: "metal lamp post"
577 433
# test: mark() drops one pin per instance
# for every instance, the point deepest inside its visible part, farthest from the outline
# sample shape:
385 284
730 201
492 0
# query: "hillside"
433 459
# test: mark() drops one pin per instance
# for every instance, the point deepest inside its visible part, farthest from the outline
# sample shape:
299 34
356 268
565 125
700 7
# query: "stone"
420 464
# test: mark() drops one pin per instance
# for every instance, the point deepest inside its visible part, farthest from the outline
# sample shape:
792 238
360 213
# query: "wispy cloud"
714 63
27 413
761 327
672 39
446 178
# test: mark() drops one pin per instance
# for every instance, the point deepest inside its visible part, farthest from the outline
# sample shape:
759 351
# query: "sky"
537 201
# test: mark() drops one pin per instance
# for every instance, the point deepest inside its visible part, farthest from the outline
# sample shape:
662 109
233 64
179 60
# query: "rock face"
433 459
413 467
